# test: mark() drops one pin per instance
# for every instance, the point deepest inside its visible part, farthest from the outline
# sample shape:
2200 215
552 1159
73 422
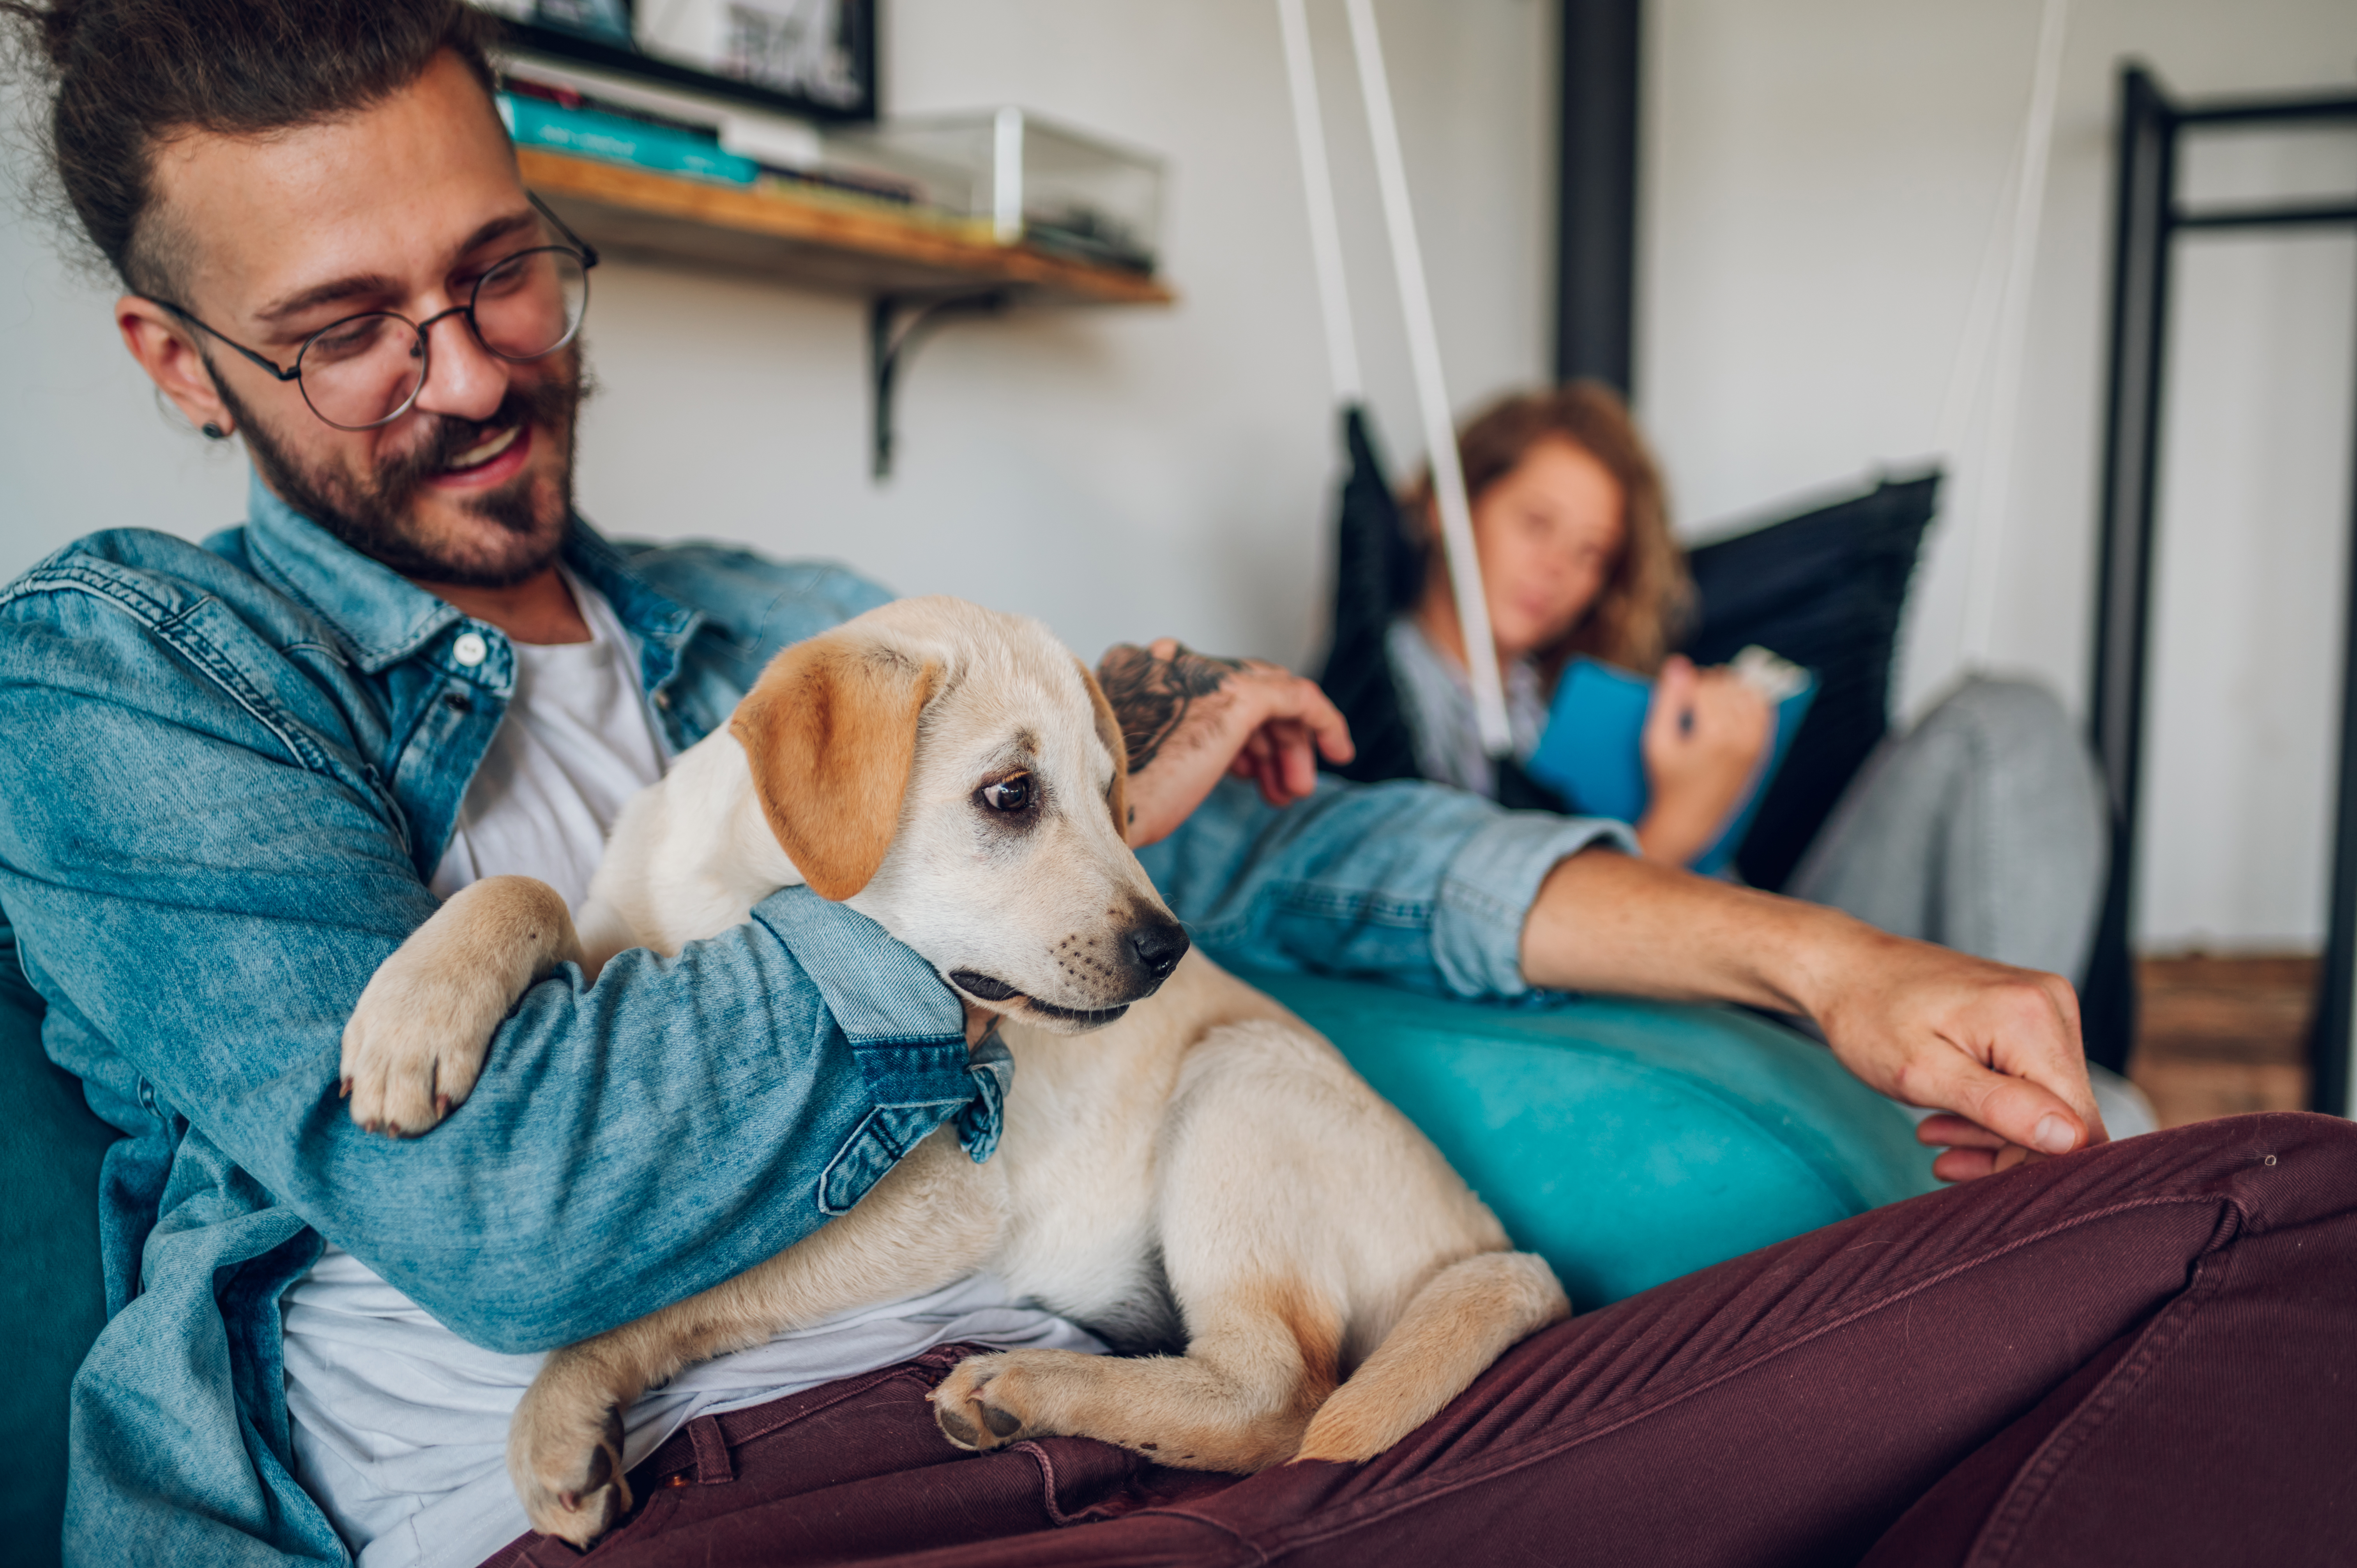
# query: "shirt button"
660 699
471 649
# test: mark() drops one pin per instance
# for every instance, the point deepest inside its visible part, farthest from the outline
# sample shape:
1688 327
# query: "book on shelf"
613 138
565 119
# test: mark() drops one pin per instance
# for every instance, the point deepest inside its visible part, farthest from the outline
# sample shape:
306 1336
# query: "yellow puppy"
1186 1167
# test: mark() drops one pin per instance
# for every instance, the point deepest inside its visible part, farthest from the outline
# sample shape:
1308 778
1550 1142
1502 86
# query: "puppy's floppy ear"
1109 732
831 731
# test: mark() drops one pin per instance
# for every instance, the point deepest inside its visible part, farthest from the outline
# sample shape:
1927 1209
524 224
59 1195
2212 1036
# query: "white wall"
1820 183
1123 473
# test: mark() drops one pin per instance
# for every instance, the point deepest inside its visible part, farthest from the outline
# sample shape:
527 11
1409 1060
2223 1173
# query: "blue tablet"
1591 752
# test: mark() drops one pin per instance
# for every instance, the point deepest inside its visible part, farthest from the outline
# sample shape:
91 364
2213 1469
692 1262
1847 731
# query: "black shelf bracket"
895 323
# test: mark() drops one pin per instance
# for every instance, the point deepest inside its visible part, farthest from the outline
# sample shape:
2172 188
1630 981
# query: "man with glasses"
360 371
238 776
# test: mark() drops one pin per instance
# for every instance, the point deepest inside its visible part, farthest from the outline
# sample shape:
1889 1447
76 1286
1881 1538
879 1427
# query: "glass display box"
1022 179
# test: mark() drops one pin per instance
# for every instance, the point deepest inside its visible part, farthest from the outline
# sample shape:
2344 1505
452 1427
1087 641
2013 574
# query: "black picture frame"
859 23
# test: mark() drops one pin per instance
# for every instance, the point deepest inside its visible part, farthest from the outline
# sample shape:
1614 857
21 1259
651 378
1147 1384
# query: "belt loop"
712 1465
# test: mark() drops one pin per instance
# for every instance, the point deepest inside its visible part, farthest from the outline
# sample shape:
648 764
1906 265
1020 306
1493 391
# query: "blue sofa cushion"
52 1291
1627 1142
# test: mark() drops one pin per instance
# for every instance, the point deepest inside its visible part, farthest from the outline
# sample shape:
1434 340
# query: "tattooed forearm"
1151 696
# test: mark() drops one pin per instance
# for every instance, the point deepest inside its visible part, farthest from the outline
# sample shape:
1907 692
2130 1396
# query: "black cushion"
1376 568
1824 589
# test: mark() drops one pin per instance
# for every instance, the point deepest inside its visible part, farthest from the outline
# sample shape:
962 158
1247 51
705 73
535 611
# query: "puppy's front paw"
979 1404
401 1073
567 1468
424 1021
416 1041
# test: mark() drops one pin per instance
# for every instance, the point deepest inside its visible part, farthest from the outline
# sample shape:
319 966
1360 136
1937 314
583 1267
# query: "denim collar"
384 619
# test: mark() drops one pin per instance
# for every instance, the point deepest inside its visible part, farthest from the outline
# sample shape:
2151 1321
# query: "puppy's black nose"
1158 946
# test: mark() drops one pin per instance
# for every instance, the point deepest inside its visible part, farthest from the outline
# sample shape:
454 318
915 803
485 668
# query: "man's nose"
463 379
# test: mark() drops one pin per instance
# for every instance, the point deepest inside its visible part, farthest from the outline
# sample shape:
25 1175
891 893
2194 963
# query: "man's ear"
167 350
1109 732
830 732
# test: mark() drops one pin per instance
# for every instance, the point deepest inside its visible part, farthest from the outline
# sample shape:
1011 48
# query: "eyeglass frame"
579 249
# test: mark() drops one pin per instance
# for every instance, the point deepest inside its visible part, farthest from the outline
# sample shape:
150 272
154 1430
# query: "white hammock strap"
1317 183
1432 393
2009 326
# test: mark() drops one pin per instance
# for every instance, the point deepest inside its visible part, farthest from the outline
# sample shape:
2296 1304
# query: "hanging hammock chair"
1825 589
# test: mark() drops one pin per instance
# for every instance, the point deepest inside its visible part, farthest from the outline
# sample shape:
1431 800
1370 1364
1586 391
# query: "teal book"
589 133
1591 752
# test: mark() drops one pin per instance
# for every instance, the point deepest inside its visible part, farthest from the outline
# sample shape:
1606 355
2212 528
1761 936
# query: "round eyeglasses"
367 370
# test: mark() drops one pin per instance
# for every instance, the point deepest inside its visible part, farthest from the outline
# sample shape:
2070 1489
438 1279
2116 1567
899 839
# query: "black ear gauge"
214 431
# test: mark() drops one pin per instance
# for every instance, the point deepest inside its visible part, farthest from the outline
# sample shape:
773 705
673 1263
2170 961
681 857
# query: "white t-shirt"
400 1426
576 745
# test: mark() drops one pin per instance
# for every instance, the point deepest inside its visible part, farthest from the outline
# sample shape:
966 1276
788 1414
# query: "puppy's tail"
1464 1318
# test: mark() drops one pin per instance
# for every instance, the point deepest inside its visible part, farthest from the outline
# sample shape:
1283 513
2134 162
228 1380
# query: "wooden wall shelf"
916 273
838 244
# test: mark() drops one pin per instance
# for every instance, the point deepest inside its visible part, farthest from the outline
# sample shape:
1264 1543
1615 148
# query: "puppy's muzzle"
1147 954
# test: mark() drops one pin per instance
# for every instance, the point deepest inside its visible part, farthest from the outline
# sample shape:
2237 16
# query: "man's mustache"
548 404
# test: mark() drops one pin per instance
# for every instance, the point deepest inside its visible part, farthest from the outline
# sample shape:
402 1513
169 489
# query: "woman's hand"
1704 736
1188 719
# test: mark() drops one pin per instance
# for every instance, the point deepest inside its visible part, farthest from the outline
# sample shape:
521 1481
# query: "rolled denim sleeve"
201 882
1416 884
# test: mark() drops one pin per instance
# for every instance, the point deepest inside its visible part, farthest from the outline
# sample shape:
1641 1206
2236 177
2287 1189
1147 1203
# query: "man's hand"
1995 1048
1188 719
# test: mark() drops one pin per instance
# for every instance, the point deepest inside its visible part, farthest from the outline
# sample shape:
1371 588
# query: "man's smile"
491 461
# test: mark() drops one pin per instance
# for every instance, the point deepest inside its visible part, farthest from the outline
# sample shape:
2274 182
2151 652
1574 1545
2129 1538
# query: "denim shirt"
229 772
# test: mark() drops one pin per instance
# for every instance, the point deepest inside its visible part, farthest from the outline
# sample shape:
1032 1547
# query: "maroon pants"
2145 1353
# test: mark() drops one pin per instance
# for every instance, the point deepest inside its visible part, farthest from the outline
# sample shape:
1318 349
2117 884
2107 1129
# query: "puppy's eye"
1008 794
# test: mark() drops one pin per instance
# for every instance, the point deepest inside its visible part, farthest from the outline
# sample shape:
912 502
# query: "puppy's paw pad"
972 1411
399 1088
578 1496
956 1427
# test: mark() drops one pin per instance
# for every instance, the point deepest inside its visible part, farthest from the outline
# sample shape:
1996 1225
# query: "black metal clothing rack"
2147 218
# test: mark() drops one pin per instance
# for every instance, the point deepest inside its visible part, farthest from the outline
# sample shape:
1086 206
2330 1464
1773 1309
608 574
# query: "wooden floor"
2217 1037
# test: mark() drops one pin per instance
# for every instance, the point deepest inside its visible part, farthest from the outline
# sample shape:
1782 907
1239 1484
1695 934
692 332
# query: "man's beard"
373 513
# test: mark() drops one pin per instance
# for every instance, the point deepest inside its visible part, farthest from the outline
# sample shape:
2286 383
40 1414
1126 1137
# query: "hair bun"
122 76
47 30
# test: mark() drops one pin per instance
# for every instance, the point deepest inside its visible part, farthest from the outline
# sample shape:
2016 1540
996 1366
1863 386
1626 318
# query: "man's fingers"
1971 1165
1323 723
1290 740
1967 1164
2021 1111
1279 757
1964 1165
1948 1131
1282 698
2032 1032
